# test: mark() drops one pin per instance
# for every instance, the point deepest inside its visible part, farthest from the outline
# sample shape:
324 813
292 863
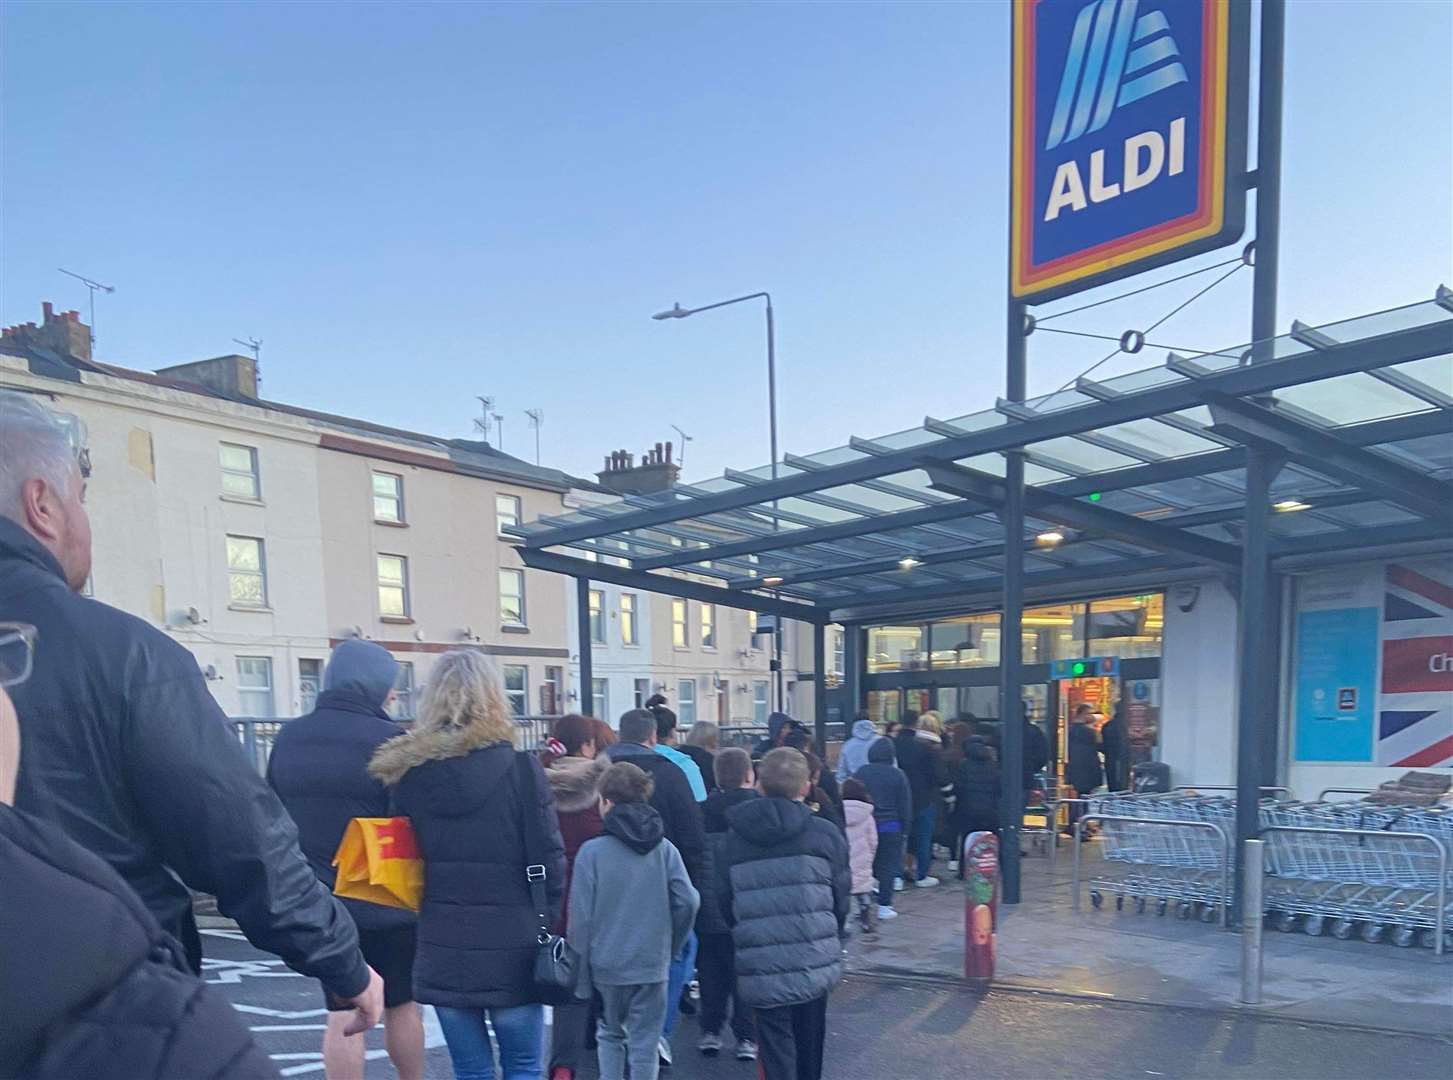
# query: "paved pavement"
880 1027
1135 957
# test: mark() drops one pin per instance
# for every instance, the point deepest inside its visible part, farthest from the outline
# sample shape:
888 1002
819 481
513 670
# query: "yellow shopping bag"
378 861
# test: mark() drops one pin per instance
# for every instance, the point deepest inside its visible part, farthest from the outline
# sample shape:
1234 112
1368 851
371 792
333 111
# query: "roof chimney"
64 334
656 471
231 376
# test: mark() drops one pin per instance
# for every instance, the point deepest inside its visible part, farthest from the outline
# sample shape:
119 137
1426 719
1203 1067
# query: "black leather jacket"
125 751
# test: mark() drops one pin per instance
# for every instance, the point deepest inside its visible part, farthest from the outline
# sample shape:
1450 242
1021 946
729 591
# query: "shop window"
1127 626
967 642
1056 632
896 648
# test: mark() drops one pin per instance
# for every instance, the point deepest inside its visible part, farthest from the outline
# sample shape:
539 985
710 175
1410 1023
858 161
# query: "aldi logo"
1129 137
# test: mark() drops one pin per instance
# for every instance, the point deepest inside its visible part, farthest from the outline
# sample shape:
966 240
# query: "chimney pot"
48 309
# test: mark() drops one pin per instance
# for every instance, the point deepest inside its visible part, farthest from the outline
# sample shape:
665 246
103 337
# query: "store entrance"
1100 692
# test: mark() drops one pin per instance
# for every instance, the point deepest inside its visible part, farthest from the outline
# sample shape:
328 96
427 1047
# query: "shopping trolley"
1356 868
1165 848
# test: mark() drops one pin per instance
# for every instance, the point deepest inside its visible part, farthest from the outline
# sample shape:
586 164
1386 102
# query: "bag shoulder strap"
533 835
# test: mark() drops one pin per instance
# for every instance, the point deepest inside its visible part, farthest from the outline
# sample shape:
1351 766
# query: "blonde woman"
701 746
454 775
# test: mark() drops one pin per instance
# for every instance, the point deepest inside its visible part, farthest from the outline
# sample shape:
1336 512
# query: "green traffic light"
1079 668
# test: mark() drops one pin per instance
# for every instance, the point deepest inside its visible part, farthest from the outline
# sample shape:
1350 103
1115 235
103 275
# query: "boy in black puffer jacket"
785 889
893 811
715 957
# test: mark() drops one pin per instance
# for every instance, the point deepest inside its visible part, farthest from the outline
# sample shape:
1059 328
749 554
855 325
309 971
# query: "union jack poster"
1415 706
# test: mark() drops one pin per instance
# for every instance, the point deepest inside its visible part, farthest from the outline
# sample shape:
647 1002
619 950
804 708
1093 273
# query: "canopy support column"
819 689
587 672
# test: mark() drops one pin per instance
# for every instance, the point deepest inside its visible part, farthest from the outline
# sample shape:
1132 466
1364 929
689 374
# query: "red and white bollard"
981 904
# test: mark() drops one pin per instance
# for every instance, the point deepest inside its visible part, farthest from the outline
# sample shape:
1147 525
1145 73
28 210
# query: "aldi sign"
1129 139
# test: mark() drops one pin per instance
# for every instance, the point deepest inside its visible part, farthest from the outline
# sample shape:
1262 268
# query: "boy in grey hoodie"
632 906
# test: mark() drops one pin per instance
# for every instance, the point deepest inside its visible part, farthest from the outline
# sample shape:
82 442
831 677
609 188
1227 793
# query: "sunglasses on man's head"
17 652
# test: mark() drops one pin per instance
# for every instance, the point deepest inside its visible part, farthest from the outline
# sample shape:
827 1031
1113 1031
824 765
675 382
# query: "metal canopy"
1141 473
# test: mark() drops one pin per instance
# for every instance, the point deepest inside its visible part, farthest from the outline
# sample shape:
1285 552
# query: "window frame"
761 706
686 702
595 612
305 705
260 573
554 676
641 689
518 697
254 473
406 691
630 622
600 698
707 625
269 688
517 512
397 497
402 585
521 621
680 624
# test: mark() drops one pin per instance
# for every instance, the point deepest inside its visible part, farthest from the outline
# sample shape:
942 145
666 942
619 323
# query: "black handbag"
556 970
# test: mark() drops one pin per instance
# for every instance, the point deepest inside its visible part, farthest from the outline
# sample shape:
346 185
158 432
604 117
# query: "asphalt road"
882 1029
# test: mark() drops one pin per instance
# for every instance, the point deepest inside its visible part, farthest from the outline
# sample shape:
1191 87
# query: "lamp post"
678 312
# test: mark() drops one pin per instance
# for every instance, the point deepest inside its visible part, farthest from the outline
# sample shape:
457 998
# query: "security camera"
1185 596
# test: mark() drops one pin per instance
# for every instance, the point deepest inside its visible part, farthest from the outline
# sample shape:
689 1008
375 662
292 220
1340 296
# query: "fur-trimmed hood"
575 781
415 748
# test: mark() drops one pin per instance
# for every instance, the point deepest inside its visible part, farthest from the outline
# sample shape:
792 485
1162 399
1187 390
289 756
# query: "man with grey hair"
126 751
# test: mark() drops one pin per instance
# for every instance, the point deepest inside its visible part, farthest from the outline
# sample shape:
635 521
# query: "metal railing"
1225 861
257 734
1322 795
1231 787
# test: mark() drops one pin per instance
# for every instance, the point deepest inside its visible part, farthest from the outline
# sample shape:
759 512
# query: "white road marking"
279 1014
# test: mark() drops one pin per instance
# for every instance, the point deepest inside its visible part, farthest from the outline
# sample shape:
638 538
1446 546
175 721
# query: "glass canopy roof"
1140 473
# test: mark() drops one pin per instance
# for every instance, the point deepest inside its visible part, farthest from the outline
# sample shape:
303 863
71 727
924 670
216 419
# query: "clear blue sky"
414 204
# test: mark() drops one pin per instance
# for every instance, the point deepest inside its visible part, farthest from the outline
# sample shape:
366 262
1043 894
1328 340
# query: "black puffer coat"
128 754
976 795
1083 768
785 886
709 918
476 943
91 985
319 769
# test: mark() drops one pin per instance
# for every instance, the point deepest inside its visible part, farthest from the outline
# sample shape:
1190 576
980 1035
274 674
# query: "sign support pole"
1257 630
1268 173
1011 694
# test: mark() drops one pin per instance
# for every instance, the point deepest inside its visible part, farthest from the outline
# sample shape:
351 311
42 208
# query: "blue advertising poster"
1128 141
1336 684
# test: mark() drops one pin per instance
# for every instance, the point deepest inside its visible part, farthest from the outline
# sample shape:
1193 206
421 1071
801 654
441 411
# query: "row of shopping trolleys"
1340 868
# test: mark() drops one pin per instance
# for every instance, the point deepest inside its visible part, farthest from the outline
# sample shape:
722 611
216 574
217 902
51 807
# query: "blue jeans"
921 841
677 976
521 1034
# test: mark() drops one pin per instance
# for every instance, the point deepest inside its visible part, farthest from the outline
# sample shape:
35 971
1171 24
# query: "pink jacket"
862 842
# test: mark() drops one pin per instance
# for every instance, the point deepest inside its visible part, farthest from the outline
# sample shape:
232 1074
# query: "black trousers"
716 968
790 1040
888 864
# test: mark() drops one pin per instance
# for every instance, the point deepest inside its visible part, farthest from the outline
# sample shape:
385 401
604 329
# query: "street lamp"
676 311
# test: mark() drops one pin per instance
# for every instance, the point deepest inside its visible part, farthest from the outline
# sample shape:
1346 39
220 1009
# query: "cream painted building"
260 535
